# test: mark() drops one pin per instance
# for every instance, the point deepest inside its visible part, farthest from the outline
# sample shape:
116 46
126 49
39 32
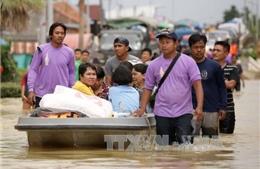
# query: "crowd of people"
197 90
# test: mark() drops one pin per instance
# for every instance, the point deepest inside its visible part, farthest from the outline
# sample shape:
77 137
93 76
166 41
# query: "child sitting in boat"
124 98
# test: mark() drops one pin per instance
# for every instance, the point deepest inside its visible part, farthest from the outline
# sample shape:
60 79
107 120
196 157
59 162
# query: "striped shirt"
230 73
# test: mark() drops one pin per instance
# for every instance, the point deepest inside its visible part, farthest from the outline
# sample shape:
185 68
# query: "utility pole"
50 13
43 31
109 9
150 7
81 5
173 10
101 13
257 20
88 12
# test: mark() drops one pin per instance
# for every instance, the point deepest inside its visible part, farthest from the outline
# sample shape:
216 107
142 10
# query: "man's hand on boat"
198 114
31 98
139 112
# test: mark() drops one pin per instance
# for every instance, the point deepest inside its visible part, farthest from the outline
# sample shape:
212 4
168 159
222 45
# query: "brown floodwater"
238 150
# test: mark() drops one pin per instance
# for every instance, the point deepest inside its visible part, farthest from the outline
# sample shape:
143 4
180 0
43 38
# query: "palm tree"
14 13
14 16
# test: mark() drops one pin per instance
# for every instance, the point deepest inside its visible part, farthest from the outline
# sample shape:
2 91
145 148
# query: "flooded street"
239 150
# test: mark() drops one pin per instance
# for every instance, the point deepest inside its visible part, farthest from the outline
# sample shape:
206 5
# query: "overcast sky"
204 11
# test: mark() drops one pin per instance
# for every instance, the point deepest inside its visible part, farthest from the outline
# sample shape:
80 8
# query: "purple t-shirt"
174 97
51 67
229 58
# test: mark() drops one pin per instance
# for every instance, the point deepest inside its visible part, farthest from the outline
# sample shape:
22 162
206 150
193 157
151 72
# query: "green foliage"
10 89
20 73
29 4
10 70
252 52
231 13
250 21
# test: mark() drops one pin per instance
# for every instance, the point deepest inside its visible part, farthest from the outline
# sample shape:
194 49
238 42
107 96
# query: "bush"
10 89
252 53
11 76
9 67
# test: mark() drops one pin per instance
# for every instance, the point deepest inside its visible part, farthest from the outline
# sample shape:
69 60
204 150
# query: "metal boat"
83 131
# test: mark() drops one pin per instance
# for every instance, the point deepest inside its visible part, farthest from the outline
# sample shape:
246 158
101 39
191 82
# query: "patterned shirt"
104 92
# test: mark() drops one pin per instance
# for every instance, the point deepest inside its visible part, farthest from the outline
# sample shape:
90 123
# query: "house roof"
94 10
65 9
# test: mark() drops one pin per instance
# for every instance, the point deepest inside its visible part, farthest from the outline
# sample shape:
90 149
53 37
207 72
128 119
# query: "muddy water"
239 150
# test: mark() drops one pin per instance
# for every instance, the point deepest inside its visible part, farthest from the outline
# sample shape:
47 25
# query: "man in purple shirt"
173 103
52 64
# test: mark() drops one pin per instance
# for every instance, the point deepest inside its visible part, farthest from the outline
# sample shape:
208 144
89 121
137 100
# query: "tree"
231 13
8 64
14 16
247 19
250 20
14 13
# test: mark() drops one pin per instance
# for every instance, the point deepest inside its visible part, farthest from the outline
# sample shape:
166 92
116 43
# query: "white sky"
204 11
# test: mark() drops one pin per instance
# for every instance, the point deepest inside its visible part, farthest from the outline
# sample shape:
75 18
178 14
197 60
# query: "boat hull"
82 132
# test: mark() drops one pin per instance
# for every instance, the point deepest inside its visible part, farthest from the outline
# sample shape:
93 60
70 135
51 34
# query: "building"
25 43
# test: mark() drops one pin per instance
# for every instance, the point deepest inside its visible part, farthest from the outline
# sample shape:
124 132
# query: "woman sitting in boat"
87 78
127 64
124 98
138 75
130 66
100 88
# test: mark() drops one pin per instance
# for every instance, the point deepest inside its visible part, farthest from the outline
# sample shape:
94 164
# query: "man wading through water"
173 103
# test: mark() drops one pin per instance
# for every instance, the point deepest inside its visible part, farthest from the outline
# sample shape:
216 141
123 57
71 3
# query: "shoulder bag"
152 99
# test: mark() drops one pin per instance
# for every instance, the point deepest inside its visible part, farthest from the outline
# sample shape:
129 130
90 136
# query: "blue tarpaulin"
184 31
188 23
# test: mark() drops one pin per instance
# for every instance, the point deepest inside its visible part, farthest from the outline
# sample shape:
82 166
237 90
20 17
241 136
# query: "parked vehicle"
210 44
137 39
218 35
140 31
233 34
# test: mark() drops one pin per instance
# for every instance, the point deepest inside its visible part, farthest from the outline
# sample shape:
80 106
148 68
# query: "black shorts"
177 129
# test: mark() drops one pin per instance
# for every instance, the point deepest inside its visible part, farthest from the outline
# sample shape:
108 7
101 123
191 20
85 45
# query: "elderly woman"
87 78
100 88
124 98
